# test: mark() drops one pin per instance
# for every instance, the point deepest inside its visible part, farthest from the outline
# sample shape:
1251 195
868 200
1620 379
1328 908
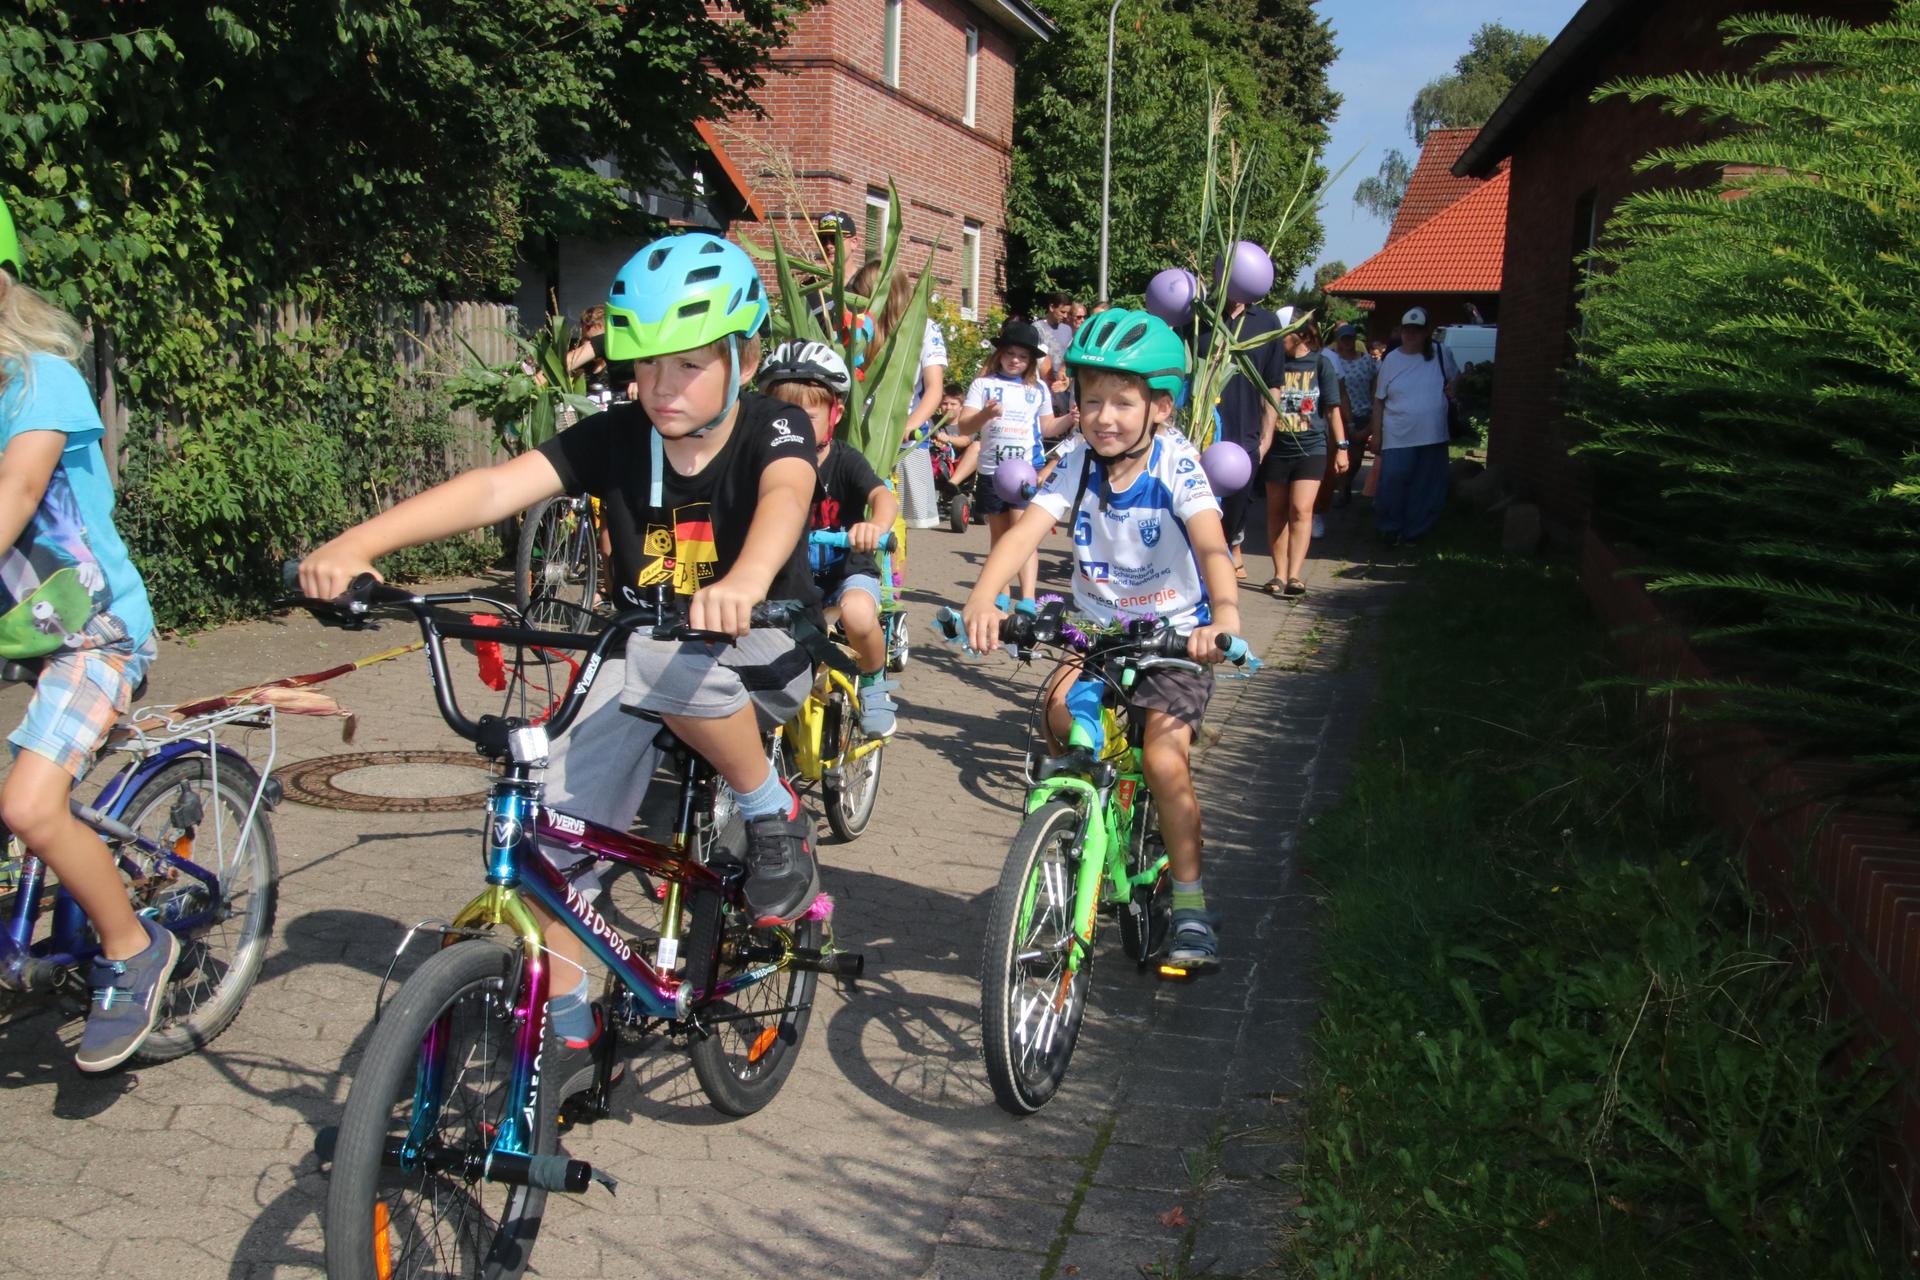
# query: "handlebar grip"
1234 647
838 538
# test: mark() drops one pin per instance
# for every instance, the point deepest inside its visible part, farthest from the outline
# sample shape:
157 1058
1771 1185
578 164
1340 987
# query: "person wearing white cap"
1410 408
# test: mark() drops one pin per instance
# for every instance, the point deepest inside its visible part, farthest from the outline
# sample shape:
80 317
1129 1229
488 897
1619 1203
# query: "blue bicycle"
186 820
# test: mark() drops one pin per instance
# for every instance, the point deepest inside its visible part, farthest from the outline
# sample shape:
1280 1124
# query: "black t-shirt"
1241 404
695 535
839 502
1305 391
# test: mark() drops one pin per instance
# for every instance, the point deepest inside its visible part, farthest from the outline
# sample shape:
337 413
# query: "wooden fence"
424 340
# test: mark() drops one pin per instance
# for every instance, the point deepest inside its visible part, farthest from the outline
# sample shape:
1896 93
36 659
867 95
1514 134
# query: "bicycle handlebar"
490 732
838 538
1027 626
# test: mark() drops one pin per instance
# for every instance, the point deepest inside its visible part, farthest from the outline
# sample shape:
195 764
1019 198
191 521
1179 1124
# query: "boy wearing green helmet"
705 489
1148 543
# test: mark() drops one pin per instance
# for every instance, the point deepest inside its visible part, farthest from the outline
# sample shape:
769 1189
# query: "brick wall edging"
1847 874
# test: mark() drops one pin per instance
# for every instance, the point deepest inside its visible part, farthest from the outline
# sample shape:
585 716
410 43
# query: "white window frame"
969 112
875 226
970 270
890 55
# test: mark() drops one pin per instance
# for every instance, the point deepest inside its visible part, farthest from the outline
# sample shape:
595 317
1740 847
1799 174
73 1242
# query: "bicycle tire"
1148 913
473 976
850 802
554 527
225 955
958 509
741 1063
1027 1056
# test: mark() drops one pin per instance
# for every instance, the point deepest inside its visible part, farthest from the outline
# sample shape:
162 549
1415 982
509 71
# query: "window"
973 75
891 67
970 270
876 226
1586 232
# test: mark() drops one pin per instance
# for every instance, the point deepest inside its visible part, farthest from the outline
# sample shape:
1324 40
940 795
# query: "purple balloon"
1252 277
1228 468
1015 480
1170 296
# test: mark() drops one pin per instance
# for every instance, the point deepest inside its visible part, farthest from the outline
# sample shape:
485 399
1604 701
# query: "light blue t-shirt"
73 527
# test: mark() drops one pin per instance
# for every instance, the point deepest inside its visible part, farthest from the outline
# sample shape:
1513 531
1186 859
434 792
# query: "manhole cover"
390 781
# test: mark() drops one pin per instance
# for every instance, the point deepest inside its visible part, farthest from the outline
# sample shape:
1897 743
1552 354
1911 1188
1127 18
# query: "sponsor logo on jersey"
783 432
1150 531
1186 465
1094 570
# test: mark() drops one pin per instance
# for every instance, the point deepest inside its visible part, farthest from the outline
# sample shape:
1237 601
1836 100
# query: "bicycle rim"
1031 1003
387 1222
220 960
850 801
753 1034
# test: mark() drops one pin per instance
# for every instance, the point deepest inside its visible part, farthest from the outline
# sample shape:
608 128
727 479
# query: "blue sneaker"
877 708
1191 942
126 1001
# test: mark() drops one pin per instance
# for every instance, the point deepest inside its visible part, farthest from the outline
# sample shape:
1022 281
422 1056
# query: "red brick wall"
1574 148
847 132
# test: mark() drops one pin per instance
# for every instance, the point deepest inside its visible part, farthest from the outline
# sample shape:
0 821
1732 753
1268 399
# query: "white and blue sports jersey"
1016 432
1132 556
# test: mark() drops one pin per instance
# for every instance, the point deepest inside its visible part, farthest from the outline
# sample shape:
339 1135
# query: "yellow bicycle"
824 743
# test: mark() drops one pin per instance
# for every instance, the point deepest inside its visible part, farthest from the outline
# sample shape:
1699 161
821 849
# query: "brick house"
1445 249
1850 874
1571 163
919 92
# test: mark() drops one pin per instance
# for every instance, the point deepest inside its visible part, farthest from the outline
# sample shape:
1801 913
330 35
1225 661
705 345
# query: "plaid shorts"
77 700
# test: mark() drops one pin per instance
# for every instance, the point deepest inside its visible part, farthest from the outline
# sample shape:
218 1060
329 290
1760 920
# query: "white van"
1471 344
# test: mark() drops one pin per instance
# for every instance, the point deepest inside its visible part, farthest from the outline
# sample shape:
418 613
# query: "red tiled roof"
1433 186
1458 250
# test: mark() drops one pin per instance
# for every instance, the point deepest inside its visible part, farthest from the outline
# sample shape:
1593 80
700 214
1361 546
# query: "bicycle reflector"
1174 971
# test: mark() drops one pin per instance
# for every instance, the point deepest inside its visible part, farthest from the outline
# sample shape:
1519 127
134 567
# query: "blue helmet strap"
733 386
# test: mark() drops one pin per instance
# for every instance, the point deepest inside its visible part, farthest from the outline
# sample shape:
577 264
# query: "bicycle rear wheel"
1148 911
754 1033
440 1218
219 960
557 563
1031 1006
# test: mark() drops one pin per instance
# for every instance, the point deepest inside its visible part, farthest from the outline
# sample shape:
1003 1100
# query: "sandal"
1274 586
1295 587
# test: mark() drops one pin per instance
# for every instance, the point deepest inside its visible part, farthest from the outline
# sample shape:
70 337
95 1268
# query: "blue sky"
1387 52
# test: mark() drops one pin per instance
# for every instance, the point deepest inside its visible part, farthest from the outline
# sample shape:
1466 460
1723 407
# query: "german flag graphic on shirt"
685 554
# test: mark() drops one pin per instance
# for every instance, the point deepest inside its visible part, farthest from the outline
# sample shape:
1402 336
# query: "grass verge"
1556 1039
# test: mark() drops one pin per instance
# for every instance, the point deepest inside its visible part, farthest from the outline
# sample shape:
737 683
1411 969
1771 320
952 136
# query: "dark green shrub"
1750 376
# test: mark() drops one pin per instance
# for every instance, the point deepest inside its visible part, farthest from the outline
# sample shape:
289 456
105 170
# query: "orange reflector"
1172 971
183 848
762 1043
382 1243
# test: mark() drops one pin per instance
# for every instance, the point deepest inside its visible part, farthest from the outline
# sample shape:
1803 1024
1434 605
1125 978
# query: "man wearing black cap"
1357 371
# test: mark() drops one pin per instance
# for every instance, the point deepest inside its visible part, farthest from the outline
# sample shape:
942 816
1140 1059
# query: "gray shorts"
1181 694
600 769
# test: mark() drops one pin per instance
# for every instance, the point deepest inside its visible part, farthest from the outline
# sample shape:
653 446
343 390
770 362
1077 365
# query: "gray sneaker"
126 1001
877 708
1191 942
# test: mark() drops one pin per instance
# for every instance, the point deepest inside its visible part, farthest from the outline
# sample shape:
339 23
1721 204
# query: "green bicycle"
1091 839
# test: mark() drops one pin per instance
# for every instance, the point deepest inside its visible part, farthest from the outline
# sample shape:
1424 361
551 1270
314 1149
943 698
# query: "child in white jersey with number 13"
1148 542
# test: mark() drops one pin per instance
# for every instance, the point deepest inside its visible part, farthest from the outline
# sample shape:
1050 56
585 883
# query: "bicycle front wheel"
1031 1003
219 960
557 564
752 1035
440 1218
850 797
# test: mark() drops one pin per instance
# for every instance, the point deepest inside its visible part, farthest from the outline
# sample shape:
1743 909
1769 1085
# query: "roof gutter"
1514 115
1016 16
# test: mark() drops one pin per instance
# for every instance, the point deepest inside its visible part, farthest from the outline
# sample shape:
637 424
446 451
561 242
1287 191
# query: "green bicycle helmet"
11 259
1133 342
683 292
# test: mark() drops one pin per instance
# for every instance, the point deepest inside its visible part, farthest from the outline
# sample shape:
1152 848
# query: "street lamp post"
1106 154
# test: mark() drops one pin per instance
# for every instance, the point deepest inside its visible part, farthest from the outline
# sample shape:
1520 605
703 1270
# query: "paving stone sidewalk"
1170 1149
884 1156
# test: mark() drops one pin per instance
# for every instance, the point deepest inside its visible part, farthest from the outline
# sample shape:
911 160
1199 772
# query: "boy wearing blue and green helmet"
1148 543
705 487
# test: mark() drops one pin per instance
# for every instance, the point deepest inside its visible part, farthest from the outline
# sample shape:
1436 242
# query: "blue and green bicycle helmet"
681 293
12 261
1137 343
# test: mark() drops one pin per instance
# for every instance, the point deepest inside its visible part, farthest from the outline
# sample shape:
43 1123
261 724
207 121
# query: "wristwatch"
1339 444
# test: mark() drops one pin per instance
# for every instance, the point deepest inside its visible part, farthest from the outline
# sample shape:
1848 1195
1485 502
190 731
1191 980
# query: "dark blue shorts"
988 502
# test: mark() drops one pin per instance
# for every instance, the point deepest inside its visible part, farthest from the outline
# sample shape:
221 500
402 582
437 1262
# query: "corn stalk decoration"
811 292
1216 351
